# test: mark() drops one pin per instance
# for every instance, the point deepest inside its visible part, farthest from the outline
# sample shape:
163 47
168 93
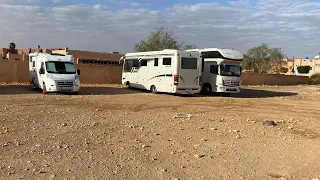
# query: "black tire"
128 85
153 89
44 89
207 89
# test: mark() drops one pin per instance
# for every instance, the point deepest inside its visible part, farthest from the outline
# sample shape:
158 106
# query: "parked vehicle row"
170 71
184 72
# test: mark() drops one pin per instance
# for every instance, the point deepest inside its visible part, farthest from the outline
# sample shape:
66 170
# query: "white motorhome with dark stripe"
221 71
169 71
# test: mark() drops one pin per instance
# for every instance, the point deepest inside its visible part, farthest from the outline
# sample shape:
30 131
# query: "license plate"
65 89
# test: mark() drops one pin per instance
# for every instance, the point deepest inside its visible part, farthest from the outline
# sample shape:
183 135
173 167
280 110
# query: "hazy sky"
117 25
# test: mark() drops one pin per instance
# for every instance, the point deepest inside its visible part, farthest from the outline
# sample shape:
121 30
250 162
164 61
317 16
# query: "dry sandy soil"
110 132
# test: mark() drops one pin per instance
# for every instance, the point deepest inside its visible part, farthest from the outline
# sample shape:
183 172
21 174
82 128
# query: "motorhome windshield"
230 70
60 67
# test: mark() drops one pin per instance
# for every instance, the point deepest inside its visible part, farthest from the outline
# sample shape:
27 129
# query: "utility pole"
293 67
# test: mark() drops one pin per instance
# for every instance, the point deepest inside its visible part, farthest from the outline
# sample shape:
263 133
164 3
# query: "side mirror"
78 71
41 71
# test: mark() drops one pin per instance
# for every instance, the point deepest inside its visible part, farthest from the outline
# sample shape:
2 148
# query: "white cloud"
28 1
293 26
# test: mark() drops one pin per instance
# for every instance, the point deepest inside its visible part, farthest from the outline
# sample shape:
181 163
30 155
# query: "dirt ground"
110 132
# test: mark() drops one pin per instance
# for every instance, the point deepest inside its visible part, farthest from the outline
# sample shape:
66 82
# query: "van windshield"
230 70
60 67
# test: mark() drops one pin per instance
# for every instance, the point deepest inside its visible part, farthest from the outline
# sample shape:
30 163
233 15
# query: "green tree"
284 70
276 60
262 59
315 78
303 69
190 46
160 39
12 47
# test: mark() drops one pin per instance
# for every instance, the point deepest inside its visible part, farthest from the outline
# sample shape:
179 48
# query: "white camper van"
221 71
168 71
53 73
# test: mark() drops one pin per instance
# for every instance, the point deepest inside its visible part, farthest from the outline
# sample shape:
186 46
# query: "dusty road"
108 132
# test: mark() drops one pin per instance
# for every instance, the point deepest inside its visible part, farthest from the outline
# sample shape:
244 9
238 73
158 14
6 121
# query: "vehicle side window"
166 61
156 61
135 63
143 63
33 64
214 69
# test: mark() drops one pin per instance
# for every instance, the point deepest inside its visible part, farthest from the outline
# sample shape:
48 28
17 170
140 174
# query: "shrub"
315 79
284 70
303 69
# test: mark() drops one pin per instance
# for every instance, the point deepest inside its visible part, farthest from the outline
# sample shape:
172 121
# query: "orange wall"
272 79
19 57
97 74
18 71
14 71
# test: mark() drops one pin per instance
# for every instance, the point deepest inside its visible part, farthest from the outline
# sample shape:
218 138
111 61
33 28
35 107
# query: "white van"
169 71
53 73
221 70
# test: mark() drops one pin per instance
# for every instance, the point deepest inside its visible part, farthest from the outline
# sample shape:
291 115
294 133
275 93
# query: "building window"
99 62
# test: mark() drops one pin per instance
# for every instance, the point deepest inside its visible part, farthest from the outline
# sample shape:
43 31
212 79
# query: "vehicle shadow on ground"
26 89
256 93
107 91
17 89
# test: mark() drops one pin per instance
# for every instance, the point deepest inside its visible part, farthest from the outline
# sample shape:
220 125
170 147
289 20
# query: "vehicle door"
211 73
41 74
33 71
131 70
189 70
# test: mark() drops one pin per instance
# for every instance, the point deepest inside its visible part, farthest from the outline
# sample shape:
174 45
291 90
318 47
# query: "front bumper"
228 89
61 87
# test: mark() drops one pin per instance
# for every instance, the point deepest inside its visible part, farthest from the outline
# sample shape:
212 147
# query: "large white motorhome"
53 73
221 71
168 71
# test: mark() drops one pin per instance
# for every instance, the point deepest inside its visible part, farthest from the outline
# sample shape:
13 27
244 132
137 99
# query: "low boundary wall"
17 71
272 79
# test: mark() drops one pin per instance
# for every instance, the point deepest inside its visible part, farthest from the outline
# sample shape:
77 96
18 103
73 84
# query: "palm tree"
12 47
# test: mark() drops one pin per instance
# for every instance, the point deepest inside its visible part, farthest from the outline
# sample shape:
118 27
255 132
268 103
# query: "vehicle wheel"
207 89
44 89
153 89
128 85
75 93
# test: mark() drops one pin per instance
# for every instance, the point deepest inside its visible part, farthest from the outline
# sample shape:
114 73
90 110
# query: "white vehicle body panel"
160 68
